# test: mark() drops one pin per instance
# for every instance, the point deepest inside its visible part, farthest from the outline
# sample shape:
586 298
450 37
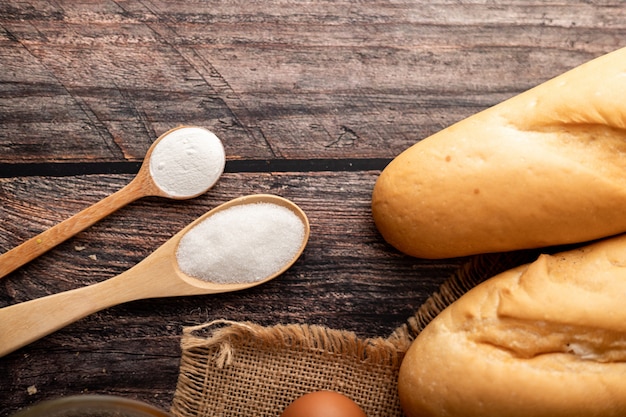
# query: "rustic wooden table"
311 100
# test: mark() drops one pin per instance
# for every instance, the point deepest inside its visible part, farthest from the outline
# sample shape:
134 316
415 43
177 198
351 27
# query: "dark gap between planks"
67 169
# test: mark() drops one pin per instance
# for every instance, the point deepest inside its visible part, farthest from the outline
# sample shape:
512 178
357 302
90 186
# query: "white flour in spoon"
245 243
187 162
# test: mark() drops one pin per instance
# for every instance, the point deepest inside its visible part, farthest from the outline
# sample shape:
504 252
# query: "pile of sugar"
187 162
244 243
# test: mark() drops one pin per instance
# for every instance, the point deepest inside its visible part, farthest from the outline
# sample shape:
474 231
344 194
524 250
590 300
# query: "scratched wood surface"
311 99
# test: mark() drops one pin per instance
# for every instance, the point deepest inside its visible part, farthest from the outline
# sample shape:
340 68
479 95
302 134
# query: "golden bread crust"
544 339
543 168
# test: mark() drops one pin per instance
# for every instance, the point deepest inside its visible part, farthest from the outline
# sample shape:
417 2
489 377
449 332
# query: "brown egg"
323 404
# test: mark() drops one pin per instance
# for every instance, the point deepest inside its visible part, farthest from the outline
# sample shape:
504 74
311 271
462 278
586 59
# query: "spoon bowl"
158 275
183 163
149 182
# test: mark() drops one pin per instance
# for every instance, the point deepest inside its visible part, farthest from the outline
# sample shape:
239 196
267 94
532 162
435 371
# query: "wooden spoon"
158 275
143 185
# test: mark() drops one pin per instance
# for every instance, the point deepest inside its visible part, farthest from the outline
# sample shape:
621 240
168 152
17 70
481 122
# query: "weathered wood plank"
92 81
348 278
337 204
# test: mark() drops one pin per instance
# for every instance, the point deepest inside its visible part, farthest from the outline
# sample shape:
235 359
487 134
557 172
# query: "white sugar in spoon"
160 274
182 163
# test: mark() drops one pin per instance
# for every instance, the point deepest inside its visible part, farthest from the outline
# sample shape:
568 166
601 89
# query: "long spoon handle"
155 276
36 246
23 323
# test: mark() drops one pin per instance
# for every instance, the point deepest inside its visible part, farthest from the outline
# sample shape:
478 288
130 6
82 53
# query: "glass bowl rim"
106 402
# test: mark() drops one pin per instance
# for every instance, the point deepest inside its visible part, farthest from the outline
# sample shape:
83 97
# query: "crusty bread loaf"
544 339
543 168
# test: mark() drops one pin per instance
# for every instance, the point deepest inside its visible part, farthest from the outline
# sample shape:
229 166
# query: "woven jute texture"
237 369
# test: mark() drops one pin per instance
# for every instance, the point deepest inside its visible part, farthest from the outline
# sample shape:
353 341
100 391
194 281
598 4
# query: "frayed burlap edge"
233 369
244 369
321 339
470 274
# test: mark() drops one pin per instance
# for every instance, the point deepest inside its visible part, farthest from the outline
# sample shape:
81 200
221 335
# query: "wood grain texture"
96 82
99 81
347 278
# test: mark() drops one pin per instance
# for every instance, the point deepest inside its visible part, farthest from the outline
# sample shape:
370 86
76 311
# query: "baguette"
544 168
543 339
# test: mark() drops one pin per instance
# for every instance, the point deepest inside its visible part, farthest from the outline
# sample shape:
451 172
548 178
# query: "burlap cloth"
237 369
